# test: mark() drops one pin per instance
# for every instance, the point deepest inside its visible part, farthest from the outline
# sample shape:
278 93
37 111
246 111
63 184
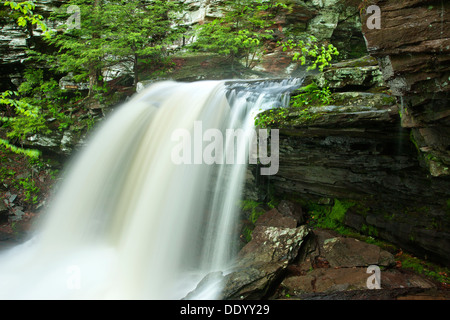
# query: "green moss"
360 208
252 211
413 140
369 230
330 217
429 269
339 210
389 100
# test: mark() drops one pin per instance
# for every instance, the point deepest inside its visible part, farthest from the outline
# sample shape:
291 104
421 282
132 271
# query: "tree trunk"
135 70
94 79
94 71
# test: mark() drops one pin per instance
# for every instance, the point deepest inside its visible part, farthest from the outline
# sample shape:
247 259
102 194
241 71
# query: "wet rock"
260 265
349 280
253 281
13 196
262 262
339 264
355 148
57 146
17 214
349 252
366 61
361 74
67 83
388 294
276 219
291 209
326 280
15 41
412 49
350 77
273 244
4 212
251 188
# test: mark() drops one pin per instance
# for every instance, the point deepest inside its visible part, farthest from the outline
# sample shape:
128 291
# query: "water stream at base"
128 222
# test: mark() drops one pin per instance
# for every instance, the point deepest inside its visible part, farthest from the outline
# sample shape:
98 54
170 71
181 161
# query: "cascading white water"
129 222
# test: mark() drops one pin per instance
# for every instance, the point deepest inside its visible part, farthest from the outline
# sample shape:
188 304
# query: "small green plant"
311 52
370 230
269 117
33 154
30 190
363 6
252 210
328 217
26 15
312 94
436 272
251 207
26 111
6 173
27 118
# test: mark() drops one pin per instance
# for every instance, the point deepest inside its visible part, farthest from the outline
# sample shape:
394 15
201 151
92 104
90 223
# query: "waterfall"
142 212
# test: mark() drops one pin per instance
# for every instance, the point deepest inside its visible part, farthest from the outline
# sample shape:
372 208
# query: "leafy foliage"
253 211
34 154
311 52
241 32
27 119
270 117
309 95
432 270
115 33
26 15
312 95
26 111
330 217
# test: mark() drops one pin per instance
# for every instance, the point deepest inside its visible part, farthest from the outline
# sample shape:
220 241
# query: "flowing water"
130 219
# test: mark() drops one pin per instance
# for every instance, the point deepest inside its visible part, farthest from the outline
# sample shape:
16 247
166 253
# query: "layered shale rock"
355 148
412 47
16 40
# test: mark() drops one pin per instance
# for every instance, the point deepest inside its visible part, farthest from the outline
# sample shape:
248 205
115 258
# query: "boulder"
272 244
262 262
291 209
260 265
340 264
276 219
350 252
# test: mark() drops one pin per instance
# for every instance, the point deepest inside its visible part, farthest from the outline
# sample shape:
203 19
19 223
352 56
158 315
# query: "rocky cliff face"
15 41
365 146
333 21
412 47
356 149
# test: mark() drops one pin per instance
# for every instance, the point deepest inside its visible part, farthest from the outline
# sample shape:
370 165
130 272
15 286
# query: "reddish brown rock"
413 50
275 219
